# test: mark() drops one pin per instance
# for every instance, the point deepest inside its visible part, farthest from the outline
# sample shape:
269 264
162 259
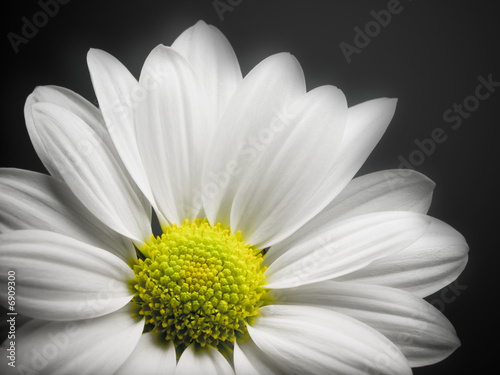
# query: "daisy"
272 260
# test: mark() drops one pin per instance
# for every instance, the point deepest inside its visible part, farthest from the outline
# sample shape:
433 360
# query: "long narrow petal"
207 362
250 360
174 127
273 198
149 358
72 102
84 110
366 123
310 340
60 278
92 346
346 246
119 94
32 200
424 267
418 329
263 94
213 60
391 190
91 171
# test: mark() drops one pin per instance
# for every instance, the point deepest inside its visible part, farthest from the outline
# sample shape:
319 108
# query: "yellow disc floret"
199 284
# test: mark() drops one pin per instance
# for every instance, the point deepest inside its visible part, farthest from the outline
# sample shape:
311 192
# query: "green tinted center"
199 284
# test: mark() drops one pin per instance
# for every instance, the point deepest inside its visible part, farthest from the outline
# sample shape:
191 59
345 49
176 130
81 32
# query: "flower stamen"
198 284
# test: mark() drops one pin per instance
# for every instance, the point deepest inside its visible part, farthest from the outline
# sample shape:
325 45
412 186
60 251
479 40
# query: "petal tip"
392 103
95 54
200 23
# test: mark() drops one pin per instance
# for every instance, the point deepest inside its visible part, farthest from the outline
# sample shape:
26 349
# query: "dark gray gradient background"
429 57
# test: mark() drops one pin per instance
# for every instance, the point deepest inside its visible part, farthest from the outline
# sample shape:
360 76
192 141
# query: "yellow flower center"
198 284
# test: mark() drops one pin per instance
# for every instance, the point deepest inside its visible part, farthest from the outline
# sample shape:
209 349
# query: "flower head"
272 258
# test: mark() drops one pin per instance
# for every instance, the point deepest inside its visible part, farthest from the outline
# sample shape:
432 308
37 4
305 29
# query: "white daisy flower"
273 259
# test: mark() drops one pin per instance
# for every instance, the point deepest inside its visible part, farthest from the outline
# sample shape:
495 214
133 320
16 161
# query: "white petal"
60 278
91 170
344 247
150 358
119 94
214 61
310 340
263 94
72 102
366 123
250 360
391 190
92 346
206 362
418 329
273 196
87 112
242 364
32 200
173 132
426 266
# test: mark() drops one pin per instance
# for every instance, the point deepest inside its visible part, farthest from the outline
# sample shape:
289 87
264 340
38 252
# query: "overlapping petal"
89 168
242 364
228 189
92 346
32 200
346 246
391 190
214 62
72 102
119 94
88 113
366 123
250 360
424 267
149 357
418 329
61 278
273 191
263 94
173 130
209 362
310 340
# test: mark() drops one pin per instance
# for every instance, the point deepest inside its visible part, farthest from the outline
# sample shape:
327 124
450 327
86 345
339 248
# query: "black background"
429 56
